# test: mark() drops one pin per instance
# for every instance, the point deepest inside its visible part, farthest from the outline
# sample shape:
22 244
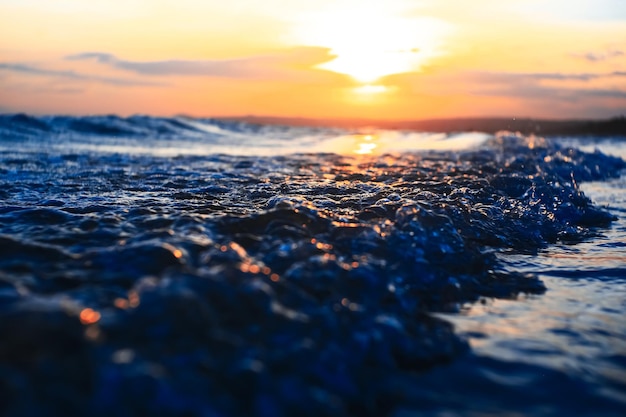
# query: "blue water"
563 351
166 266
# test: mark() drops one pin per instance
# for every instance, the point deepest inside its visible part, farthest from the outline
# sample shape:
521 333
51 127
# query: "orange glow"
371 89
238 249
133 299
121 303
365 59
323 246
360 144
93 333
371 41
89 316
365 148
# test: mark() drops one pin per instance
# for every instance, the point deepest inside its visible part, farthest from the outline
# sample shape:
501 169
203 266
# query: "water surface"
170 266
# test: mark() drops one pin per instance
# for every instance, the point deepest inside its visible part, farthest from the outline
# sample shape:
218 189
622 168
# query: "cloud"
600 56
494 78
534 77
72 75
528 85
48 88
264 66
552 93
605 93
525 86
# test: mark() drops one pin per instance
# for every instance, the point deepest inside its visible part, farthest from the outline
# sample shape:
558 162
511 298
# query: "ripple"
304 284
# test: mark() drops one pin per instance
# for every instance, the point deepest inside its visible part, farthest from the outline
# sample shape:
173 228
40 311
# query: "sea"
205 267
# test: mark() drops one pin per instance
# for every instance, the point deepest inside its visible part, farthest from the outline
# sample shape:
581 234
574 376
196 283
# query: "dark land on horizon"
615 126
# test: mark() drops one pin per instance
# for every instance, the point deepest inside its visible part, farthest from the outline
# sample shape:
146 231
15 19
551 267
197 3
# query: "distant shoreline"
607 127
613 127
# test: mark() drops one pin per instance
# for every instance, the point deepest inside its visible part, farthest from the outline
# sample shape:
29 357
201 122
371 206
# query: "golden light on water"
365 148
372 141
89 316
362 144
366 144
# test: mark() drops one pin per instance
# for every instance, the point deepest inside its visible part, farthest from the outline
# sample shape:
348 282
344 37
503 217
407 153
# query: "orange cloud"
269 67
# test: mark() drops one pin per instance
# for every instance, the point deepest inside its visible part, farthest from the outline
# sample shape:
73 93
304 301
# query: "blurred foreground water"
200 267
563 352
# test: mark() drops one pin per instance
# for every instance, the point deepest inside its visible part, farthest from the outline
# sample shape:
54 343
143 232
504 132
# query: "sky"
393 59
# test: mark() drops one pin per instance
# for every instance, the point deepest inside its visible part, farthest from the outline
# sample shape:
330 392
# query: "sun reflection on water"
371 141
366 145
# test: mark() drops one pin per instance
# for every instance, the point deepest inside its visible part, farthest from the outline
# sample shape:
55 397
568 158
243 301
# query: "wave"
254 286
172 136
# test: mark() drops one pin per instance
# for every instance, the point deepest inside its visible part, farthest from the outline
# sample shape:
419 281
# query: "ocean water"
176 266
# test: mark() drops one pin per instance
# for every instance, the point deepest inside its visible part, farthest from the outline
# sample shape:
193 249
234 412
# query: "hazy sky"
393 59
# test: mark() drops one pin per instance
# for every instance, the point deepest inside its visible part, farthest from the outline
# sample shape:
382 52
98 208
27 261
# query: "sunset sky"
394 59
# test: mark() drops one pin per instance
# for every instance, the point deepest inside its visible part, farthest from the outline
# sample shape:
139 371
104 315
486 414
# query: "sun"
370 42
